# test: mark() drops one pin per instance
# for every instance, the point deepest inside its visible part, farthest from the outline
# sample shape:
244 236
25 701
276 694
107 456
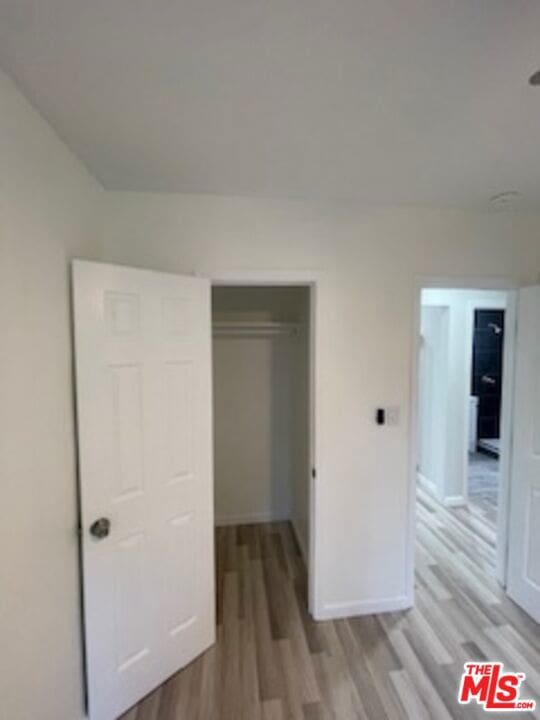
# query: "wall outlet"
392 415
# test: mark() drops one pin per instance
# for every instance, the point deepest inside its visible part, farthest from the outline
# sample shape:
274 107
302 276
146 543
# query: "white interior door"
523 584
143 360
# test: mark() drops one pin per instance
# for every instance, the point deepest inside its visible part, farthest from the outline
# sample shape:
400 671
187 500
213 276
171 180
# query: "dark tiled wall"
487 370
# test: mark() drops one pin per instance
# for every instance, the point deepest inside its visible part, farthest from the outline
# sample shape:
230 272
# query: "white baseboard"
249 519
428 485
454 501
334 611
431 489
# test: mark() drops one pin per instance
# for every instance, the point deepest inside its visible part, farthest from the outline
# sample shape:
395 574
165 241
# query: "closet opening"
262 428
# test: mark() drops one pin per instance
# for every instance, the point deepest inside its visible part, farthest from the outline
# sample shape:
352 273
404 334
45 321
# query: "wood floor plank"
208 702
360 673
292 699
167 709
315 711
381 660
408 694
273 710
149 707
230 691
340 695
270 681
419 674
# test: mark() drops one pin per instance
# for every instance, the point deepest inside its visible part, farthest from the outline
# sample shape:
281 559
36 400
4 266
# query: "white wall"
369 263
253 422
48 211
455 352
433 398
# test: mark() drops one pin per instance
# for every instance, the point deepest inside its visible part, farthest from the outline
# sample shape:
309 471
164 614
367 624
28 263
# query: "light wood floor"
271 662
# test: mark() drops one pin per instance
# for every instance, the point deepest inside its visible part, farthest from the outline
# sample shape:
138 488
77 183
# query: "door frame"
464 282
311 280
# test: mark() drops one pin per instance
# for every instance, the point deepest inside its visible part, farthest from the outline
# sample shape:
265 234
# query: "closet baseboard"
250 519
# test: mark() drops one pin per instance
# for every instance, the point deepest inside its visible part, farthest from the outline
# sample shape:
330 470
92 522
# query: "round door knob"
100 528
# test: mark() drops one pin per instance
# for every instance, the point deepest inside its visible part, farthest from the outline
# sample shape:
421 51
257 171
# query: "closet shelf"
253 329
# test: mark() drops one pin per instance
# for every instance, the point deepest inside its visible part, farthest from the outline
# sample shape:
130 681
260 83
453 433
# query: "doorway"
444 524
461 434
261 377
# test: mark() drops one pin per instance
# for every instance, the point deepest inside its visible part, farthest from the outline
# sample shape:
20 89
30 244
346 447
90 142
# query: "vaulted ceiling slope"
380 101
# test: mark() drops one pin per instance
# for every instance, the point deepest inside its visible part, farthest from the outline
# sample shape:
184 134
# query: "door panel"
180 609
180 420
143 358
129 600
127 425
524 533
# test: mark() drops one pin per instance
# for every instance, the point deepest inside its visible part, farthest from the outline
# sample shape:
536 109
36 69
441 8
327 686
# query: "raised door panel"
127 432
132 635
179 562
180 391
